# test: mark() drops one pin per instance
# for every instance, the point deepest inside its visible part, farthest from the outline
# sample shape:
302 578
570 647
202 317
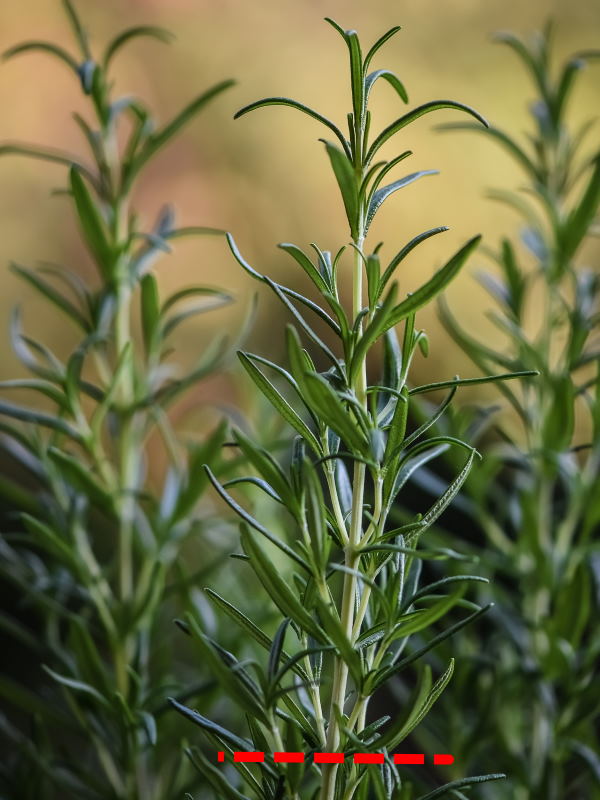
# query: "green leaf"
92 225
218 300
285 101
241 512
277 588
507 376
419 708
461 784
382 194
76 686
379 44
81 478
43 387
161 34
580 218
230 673
441 504
280 403
276 649
425 293
401 255
47 47
379 324
215 776
39 418
78 29
346 180
150 307
161 137
45 154
505 140
388 76
433 105
356 68
304 261
207 725
386 673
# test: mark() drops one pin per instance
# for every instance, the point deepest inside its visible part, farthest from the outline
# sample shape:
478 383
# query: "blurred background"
265 177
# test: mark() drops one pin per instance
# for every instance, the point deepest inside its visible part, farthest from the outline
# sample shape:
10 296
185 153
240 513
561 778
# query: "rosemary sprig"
345 582
100 544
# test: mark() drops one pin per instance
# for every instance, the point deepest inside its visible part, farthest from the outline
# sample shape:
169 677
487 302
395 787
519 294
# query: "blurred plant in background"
345 581
527 701
98 563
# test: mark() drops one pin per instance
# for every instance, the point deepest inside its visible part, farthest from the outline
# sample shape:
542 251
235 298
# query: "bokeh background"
265 177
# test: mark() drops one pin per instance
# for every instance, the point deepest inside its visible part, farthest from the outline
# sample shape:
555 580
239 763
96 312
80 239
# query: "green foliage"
98 559
344 581
532 679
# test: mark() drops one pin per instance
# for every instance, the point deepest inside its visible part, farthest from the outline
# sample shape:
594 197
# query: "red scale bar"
329 758
288 758
443 759
368 758
248 757
409 758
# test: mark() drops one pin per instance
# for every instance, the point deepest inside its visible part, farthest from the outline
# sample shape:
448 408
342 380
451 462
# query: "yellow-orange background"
265 177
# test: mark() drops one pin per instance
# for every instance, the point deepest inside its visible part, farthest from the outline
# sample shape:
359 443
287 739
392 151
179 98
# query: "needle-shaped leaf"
152 31
278 589
50 293
44 47
462 783
504 139
382 194
78 29
346 180
379 44
413 115
309 268
249 519
356 68
45 154
408 248
280 403
388 76
92 225
162 136
425 293
374 330
285 101
419 708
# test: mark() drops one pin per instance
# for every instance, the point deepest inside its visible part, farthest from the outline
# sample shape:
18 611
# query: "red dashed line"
288 758
249 757
368 758
329 758
256 757
409 758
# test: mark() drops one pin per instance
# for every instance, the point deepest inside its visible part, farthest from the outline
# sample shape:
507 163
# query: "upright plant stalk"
109 541
537 501
347 634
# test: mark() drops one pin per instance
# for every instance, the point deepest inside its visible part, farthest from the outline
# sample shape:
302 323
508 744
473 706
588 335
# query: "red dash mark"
248 757
443 759
288 758
368 758
221 756
409 758
329 758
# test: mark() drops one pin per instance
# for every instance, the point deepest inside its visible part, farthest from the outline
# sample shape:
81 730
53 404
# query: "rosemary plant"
344 580
96 557
528 700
